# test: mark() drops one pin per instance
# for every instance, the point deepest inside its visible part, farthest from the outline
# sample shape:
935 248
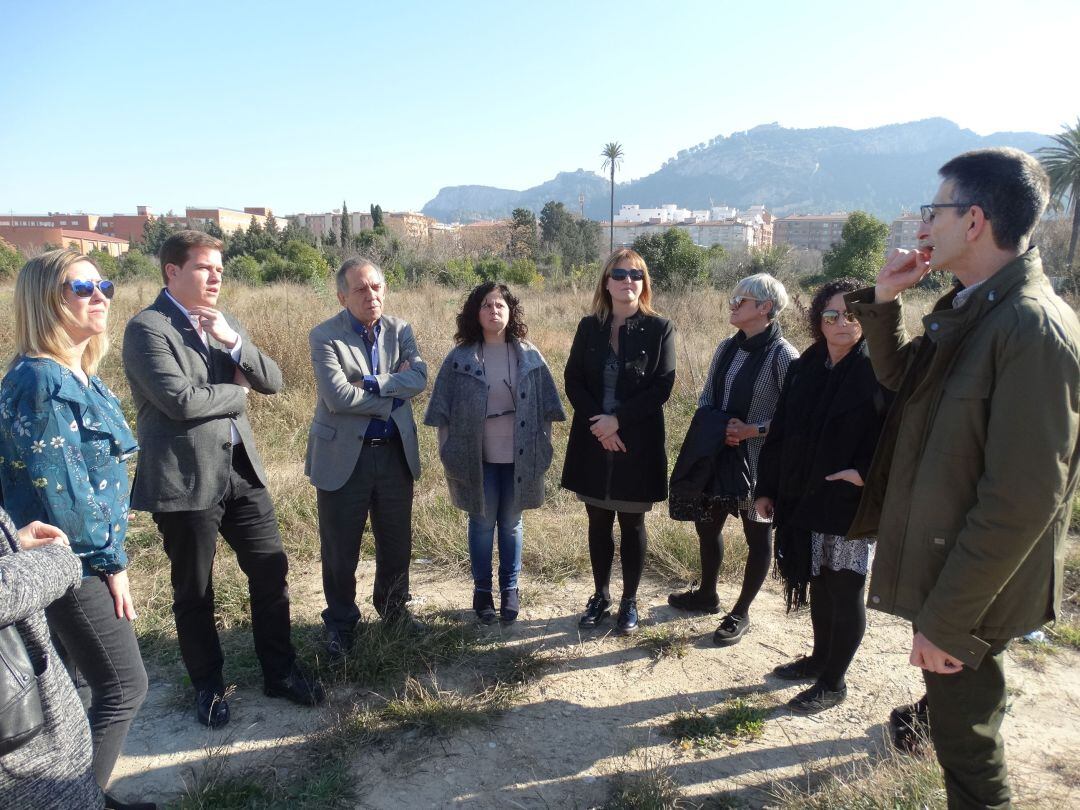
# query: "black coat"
646 376
805 444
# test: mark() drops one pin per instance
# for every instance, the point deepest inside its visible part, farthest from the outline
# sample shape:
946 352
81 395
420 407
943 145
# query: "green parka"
970 489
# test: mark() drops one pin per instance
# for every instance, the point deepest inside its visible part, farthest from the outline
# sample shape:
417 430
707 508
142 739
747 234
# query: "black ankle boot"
484 605
509 605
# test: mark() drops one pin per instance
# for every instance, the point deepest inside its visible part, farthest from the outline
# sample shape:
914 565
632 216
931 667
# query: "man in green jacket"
969 493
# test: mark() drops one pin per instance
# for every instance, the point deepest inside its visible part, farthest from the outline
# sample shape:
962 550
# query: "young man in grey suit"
191 368
362 453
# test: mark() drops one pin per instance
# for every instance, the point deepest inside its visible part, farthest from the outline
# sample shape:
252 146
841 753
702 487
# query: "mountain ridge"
882 170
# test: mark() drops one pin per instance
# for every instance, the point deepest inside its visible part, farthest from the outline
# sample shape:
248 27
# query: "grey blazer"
186 400
343 410
459 403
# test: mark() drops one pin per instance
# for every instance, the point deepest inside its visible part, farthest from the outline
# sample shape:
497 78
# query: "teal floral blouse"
63 459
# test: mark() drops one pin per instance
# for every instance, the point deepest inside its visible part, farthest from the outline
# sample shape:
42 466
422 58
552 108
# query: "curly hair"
821 298
468 320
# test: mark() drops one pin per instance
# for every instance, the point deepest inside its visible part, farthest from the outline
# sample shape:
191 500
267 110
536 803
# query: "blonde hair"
41 314
601 303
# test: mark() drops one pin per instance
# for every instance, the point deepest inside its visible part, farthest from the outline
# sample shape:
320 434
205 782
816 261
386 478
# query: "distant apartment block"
720 225
809 231
671 214
35 238
129 227
903 232
406 225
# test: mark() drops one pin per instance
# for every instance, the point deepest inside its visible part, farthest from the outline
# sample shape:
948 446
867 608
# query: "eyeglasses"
831 316
736 301
620 274
84 288
927 211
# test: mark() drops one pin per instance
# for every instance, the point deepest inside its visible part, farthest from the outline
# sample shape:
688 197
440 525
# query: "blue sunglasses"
84 288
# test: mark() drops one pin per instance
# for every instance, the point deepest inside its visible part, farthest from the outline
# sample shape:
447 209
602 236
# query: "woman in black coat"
618 376
810 478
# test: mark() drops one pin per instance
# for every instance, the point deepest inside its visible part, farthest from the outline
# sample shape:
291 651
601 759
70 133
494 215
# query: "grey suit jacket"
343 410
186 400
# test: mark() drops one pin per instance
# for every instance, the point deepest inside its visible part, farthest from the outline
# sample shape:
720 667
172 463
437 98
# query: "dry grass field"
536 715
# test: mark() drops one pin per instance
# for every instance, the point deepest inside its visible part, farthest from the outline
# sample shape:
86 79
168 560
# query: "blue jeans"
498 499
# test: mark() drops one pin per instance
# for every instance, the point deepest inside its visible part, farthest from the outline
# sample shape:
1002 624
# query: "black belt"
379 442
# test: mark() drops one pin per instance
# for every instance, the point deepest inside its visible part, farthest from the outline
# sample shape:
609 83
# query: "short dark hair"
821 298
468 320
1010 186
174 250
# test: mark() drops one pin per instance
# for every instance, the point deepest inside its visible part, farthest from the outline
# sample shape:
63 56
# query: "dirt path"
598 711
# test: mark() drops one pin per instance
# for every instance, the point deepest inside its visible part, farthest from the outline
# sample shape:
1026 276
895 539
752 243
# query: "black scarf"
818 387
742 388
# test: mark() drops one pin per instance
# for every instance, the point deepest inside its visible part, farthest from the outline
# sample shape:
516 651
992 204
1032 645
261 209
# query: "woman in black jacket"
618 376
810 478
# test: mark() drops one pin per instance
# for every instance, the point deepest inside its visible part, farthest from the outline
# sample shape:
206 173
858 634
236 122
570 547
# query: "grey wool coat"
52 770
459 403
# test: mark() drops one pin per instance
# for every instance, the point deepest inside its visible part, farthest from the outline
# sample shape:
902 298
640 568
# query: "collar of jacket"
181 322
944 322
635 321
466 359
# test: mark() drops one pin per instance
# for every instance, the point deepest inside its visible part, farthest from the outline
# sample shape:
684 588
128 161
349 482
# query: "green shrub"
243 268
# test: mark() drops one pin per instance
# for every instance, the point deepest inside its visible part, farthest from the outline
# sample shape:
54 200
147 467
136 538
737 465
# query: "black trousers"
966 710
101 652
382 484
245 518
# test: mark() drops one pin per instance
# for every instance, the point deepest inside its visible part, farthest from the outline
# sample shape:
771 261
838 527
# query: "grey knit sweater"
52 771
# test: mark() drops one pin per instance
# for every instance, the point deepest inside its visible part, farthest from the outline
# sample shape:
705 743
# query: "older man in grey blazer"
191 368
362 453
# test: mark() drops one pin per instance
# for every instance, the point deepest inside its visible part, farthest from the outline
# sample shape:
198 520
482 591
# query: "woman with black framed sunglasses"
618 376
736 407
65 446
810 478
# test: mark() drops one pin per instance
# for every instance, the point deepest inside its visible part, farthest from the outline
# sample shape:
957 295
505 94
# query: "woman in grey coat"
52 769
493 403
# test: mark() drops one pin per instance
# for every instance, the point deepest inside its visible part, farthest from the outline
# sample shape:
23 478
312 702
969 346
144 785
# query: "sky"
109 104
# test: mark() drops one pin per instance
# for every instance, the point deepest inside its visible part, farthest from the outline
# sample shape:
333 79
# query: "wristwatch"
762 430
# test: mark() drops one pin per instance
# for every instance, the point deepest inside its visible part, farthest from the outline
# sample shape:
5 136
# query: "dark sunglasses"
84 288
830 316
619 274
736 301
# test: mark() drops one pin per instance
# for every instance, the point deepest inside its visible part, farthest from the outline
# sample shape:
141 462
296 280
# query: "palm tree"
1062 163
612 155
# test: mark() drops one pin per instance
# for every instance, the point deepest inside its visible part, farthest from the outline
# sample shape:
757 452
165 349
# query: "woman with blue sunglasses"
64 447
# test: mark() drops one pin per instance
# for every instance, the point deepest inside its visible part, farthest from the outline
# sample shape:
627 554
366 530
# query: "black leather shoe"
627 622
211 708
596 609
116 804
404 620
696 601
910 726
802 668
297 686
817 698
509 605
483 603
338 644
731 630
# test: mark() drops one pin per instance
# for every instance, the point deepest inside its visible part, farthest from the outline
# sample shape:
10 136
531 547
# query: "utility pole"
581 204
